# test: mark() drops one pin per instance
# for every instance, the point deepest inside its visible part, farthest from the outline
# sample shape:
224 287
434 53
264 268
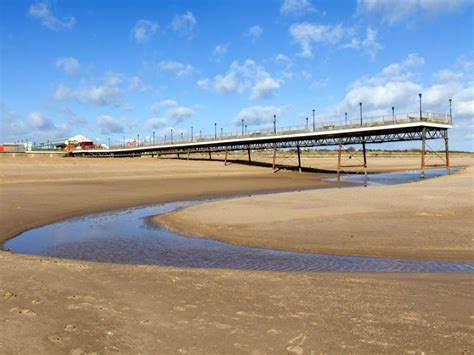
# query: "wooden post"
187 156
446 151
274 157
225 159
248 151
299 158
339 153
210 156
423 151
179 157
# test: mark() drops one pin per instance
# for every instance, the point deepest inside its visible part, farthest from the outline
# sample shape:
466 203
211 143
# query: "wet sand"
72 307
430 219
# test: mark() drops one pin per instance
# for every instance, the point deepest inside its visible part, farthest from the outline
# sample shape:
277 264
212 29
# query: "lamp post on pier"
314 120
215 130
153 137
306 123
275 124
360 106
345 118
138 140
393 114
171 139
192 134
450 110
421 112
242 127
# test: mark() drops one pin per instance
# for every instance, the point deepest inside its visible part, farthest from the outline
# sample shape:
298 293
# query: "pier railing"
367 122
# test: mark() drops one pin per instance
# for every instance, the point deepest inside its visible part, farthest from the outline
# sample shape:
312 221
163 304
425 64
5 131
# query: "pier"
421 127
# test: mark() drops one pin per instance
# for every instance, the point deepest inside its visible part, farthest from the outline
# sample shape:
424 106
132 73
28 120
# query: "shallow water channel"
128 236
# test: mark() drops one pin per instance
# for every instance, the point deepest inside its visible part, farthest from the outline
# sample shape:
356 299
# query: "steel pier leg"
339 153
274 157
365 158
423 152
446 150
248 151
299 158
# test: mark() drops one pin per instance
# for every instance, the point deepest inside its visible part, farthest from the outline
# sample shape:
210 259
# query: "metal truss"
282 143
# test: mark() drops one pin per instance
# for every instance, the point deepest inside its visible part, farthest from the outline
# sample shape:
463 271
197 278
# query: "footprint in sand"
8 295
54 339
24 312
70 328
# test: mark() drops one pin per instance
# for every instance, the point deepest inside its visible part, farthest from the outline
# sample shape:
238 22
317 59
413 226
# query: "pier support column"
364 152
187 158
179 156
225 158
446 151
248 151
299 157
210 156
423 152
274 157
339 154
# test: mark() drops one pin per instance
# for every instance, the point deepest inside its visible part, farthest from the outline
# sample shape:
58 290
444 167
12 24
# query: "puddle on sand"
126 236
393 178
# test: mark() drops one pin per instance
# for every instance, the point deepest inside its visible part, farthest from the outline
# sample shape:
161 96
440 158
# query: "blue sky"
109 69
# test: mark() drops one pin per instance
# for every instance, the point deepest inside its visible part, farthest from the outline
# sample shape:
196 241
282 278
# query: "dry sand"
432 219
51 306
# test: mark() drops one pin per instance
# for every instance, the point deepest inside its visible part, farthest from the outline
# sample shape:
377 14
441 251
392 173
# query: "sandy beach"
58 306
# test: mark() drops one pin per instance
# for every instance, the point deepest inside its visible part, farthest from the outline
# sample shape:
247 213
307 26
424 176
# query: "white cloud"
184 24
396 69
35 126
296 7
157 106
259 115
320 83
307 34
94 95
70 65
136 84
393 86
143 30
173 112
240 78
282 58
264 88
393 12
180 113
368 45
39 122
447 75
220 50
107 125
203 84
254 32
178 68
42 12
157 122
